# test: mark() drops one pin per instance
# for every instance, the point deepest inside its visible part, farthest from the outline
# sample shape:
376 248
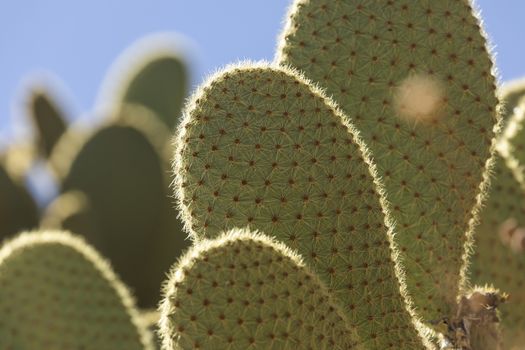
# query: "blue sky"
79 40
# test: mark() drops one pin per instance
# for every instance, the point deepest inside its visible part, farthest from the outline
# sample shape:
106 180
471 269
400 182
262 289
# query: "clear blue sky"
79 40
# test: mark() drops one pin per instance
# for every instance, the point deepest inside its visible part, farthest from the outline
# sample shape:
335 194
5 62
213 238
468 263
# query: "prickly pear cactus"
18 210
415 78
120 168
58 293
499 257
71 211
48 120
260 147
161 85
153 74
244 290
510 94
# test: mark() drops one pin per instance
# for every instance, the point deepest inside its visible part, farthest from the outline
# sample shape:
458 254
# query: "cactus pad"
511 93
245 291
71 211
415 78
57 293
18 210
260 147
500 238
47 119
153 73
121 174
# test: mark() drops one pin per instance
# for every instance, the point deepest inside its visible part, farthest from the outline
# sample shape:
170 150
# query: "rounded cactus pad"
123 203
161 85
415 78
154 73
18 211
245 291
58 293
71 211
260 147
500 240
499 257
512 142
48 120
511 94
120 173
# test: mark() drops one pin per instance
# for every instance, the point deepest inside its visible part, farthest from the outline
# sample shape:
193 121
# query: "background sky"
79 40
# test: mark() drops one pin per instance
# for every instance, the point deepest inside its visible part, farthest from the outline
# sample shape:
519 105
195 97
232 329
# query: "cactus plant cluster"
112 177
363 191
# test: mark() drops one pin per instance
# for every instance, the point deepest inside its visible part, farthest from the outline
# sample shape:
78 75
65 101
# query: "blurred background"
78 41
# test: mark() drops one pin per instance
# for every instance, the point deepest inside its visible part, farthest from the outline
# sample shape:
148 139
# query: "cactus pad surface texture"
416 80
245 291
58 293
261 147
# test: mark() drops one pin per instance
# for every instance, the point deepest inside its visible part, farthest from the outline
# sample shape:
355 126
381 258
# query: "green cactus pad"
510 94
58 293
499 257
245 291
512 142
48 120
260 147
71 211
152 72
415 78
18 158
121 170
18 210
160 85
498 260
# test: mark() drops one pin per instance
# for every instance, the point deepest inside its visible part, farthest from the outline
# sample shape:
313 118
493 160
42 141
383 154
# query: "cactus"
510 94
244 290
18 210
358 209
58 293
416 80
260 147
71 211
47 118
153 74
499 257
120 170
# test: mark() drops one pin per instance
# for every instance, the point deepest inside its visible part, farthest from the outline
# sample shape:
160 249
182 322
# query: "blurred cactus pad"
121 170
58 293
365 190
112 177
